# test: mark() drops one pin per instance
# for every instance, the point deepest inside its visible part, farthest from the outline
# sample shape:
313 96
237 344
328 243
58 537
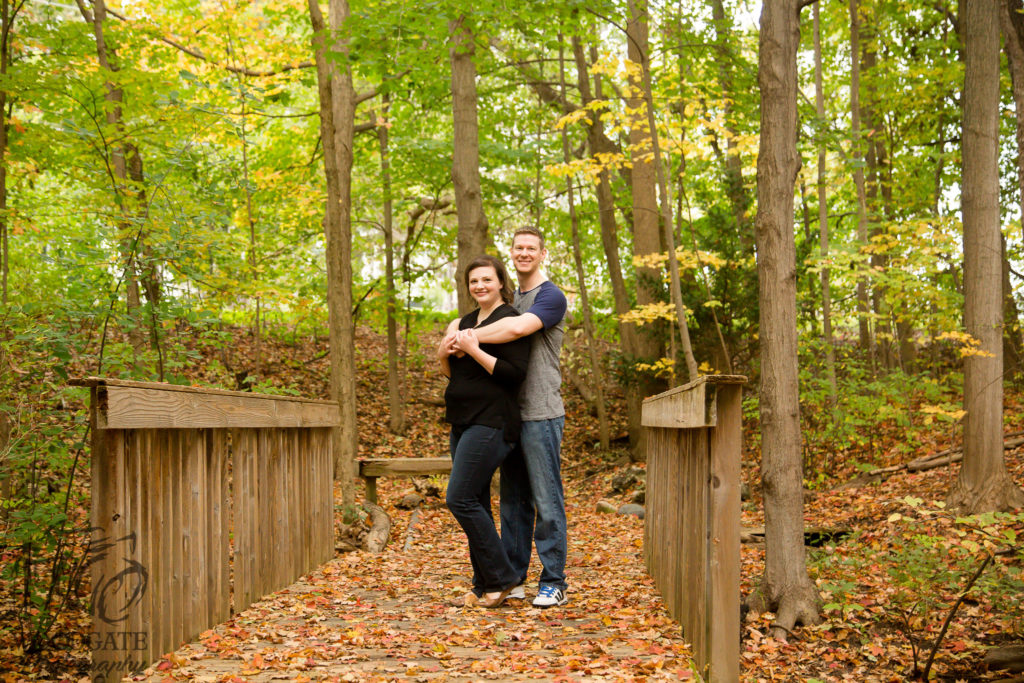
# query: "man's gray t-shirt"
541 395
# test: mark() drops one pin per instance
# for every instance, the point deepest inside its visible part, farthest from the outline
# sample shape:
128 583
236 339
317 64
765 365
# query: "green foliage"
43 533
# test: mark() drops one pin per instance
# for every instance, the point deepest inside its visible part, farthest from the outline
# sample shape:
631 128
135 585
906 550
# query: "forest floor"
886 587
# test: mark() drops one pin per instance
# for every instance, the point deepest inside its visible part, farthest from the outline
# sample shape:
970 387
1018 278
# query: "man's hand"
467 341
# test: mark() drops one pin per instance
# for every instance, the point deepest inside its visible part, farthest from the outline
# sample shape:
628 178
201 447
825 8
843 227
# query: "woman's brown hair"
499 268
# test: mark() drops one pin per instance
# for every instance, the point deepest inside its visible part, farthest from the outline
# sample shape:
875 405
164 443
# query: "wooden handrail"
177 472
692 521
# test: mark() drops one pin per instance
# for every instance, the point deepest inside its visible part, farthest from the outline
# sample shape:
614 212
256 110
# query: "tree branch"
198 54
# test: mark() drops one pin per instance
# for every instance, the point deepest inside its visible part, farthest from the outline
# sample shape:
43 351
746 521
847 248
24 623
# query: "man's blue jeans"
477 451
533 503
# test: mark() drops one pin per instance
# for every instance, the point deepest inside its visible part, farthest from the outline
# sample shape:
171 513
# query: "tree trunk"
588 322
983 484
337 123
646 237
641 49
396 422
738 197
1012 24
826 285
466 155
6 21
599 144
149 273
5 469
786 587
857 157
128 243
874 159
1013 352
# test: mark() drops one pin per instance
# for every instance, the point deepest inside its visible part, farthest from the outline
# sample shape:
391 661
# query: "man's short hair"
528 230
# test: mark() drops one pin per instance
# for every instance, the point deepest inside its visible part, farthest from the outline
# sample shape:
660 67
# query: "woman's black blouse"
477 397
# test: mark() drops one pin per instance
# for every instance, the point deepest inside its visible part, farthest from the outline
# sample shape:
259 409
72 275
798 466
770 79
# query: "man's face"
527 254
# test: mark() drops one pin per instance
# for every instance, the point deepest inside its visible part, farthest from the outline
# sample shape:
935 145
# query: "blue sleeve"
549 305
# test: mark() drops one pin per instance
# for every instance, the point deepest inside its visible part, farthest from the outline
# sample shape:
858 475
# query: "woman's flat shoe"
494 599
470 599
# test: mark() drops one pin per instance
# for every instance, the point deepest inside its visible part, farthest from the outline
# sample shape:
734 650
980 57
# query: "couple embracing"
505 408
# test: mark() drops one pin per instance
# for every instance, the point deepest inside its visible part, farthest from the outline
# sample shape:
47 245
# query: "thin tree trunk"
826 286
253 244
149 274
786 587
874 157
738 197
596 375
466 155
857 157
983 484
130 235
1013 352
6 34
396 422
253 255
337 123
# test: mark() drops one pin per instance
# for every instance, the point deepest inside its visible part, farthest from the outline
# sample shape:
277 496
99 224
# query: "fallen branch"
928 462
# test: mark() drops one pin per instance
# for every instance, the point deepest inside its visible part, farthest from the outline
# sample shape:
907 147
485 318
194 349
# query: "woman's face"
484 285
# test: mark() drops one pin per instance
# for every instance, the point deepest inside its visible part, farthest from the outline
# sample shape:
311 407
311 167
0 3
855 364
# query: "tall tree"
823 236
1012 25
600 146
337 129
644 211
639 46
396 420
863 300
8 13
577 257
786 588
983 483
121 154
466 153
738 195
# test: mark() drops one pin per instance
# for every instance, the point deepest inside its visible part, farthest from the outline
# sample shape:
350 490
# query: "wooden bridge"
213 531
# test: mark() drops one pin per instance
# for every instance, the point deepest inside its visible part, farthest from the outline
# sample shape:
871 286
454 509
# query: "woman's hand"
467 341
446 346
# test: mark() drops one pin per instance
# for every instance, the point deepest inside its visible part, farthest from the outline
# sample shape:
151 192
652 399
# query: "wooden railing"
692 520
203 501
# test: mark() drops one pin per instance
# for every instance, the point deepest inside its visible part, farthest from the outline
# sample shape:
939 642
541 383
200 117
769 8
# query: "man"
532 499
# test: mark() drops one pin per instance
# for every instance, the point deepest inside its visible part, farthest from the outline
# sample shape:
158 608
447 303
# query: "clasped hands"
459 343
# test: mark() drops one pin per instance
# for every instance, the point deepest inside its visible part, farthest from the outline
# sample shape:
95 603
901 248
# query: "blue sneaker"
550 596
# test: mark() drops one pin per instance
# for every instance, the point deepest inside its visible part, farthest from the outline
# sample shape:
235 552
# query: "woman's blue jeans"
477 451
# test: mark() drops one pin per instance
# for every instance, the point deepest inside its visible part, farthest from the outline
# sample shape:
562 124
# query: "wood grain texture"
724 543
167 498
147 408
692 522
398 467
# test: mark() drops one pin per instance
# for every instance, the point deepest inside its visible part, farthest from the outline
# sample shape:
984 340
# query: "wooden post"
692 524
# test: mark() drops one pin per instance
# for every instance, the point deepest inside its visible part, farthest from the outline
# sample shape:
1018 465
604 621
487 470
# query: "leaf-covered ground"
887 582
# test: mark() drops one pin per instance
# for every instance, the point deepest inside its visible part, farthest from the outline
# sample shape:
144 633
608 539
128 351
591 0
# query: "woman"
481 405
